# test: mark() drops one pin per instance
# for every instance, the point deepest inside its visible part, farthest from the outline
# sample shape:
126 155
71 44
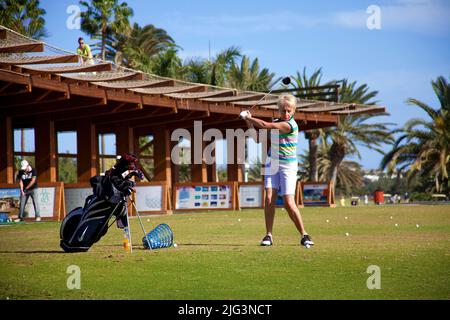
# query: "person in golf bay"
281 172
28 188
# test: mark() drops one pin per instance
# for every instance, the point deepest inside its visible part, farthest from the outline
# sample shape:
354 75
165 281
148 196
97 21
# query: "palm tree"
349 176
104 20
196 70
248 76
221 64
355 130
23 16
349 93
213 72
136 49
424 145
167 64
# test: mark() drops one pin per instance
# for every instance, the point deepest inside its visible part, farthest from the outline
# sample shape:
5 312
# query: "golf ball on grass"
417 226
347 234
346 218
396 224
175 245
328 220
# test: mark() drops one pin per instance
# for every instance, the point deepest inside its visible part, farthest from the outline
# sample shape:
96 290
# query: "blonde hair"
287 99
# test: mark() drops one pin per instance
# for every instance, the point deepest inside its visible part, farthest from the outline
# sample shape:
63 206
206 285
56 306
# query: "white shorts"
285 181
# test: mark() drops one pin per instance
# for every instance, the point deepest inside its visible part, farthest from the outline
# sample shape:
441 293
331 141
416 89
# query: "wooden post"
124 138
6 149
45 142
161 155
211 168
234 170
161 159
175 167
87 151
199 172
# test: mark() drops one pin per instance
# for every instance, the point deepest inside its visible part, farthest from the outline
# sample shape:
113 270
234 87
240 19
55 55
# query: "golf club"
140 221
286 81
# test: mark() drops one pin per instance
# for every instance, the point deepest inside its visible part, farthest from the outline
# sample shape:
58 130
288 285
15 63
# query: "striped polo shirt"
286 145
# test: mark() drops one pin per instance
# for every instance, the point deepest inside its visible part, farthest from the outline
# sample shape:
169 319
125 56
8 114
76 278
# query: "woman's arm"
283 127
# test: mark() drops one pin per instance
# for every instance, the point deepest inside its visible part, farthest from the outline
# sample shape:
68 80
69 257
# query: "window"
145 155
107 151
67 156
184 168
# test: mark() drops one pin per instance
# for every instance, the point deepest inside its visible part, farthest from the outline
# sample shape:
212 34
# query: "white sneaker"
306 241
17 220
38 219
267 241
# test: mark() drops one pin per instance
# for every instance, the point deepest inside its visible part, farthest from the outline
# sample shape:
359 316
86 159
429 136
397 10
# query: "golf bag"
83 227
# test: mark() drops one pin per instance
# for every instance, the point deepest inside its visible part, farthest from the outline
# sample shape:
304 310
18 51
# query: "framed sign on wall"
205 196
151 197
75 195
251 195
317 194
50 197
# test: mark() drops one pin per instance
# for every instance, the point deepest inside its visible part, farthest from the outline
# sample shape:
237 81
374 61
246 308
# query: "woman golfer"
281 173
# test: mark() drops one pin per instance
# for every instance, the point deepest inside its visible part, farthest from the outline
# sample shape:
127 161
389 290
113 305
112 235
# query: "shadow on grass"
214 244
34 251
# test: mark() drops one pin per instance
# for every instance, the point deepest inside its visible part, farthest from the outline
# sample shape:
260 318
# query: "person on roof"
84 51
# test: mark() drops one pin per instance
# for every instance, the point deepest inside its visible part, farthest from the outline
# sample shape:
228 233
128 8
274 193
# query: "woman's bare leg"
294 213
269 208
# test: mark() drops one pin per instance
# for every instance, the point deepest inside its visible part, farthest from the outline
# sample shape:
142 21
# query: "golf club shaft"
142 225
283 79
260 100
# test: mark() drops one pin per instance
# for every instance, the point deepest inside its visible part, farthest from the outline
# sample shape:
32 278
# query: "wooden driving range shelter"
48 89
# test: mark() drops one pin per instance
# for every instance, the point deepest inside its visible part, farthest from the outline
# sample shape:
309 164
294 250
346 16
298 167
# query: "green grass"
218 257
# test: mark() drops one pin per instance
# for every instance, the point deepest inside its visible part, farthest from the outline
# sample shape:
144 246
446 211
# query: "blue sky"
399 60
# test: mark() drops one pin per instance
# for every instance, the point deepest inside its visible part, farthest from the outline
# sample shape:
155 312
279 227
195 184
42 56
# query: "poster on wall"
250 196
149 198
315 194
10 200
75 197
46 200
203 197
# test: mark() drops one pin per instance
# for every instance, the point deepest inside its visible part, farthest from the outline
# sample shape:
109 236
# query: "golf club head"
286 81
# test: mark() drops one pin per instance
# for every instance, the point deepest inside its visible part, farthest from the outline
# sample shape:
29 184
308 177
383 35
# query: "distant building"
372 177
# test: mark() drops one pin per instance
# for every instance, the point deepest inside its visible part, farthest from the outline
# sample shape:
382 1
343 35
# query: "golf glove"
244 114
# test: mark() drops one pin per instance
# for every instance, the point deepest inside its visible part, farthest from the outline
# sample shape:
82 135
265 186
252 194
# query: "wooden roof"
38 79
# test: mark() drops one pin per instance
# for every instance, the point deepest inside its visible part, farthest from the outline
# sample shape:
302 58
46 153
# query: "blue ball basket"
160 237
